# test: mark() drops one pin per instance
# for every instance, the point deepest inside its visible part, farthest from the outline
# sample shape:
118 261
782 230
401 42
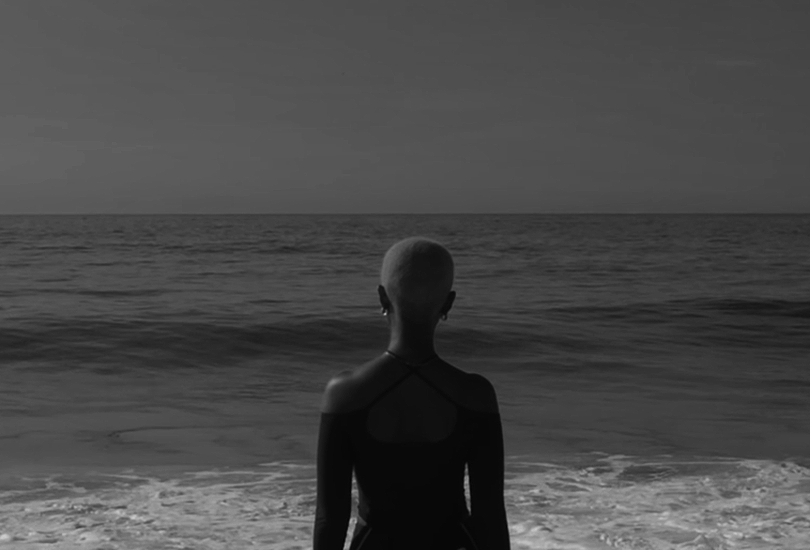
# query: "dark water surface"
205 342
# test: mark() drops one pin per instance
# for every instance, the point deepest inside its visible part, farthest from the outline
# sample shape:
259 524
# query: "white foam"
666 504
612 502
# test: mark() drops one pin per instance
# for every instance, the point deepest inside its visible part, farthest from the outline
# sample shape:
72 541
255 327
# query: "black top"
412 490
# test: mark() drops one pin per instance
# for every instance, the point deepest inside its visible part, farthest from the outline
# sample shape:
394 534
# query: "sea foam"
600 503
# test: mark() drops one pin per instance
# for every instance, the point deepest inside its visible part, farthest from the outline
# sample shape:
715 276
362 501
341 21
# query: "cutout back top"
409 461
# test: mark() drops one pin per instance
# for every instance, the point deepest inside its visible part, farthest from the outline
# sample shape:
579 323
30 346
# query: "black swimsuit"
411 493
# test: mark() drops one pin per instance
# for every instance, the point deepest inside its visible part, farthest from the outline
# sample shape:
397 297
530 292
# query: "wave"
766 308
697 307
89 339
571 338
620 501
96 293
761 324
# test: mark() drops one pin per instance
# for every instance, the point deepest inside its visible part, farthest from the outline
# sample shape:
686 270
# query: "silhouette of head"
416 280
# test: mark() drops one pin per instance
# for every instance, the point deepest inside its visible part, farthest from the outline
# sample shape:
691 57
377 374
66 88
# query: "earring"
384 311
444 317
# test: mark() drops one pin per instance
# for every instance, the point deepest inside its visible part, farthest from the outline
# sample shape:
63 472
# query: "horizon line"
573 213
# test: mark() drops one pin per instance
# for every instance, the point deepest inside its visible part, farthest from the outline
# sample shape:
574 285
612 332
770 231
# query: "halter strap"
413 369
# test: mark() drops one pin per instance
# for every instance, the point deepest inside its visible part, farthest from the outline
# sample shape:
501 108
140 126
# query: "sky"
237 106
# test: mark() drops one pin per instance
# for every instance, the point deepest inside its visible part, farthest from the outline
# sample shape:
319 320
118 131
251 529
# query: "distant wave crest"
699 307
565 335
210 342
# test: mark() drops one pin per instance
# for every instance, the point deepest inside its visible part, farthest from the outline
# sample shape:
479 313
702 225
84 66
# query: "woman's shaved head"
417 275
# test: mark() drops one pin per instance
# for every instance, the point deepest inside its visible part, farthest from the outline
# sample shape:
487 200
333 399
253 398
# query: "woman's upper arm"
487 453
334 473
486 470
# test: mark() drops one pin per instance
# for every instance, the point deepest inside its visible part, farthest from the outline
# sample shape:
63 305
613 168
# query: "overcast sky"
438 106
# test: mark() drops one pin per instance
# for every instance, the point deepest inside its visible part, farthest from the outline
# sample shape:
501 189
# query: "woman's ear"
448 302
385 302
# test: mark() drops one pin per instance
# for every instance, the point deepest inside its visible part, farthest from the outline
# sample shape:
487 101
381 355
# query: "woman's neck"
412 341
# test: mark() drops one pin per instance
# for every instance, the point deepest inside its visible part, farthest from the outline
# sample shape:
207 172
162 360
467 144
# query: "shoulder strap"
414 370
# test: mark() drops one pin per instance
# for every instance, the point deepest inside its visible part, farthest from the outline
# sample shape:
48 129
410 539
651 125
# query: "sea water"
160 376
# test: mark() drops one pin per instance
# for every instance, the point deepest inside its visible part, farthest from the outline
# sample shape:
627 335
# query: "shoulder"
482 393
338 395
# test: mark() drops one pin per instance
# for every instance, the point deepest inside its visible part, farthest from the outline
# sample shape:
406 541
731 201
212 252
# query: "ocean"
161 375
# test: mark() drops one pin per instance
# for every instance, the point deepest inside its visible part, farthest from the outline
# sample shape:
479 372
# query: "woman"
407 423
